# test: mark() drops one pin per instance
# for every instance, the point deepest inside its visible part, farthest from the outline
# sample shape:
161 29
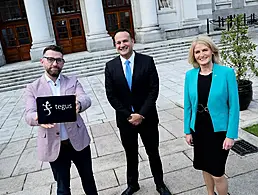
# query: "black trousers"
150 138
61 169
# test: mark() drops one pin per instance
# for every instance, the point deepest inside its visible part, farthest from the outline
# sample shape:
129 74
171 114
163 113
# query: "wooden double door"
16 41
69 33
118 14
119 19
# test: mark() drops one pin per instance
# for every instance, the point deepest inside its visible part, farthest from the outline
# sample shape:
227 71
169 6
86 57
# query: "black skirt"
208 153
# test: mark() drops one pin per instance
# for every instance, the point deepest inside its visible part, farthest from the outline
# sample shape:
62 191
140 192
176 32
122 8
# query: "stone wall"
204 10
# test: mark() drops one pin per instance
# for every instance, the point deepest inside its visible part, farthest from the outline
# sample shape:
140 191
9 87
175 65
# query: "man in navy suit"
132 87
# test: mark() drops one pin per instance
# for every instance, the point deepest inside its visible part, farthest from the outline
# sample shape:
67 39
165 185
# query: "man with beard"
61 143
132 87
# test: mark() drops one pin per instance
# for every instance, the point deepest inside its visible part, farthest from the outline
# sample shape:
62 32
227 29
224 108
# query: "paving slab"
38 179
32 143
7 166
237 165
76 187
170 163
183 180
164 103
177 112
244 184
175 127
106 179
168 147
164 135
2 146
104 146
28 162
165 116
107 162
45 165
101 129
93 150
113 191
45 190
197 191
21 137
13 148
11 184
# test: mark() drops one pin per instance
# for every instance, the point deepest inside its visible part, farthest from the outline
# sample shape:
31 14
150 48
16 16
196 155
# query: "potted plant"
237 52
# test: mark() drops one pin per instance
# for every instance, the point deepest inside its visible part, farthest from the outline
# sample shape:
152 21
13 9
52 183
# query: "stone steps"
96 59
70 66
92 64
83 66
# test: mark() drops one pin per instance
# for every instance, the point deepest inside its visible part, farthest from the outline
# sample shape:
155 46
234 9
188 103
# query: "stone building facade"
27 26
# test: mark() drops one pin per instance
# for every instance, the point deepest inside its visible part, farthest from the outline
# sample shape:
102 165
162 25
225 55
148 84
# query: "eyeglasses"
51 60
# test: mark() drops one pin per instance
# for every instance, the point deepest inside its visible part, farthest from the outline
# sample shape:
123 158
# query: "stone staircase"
88 64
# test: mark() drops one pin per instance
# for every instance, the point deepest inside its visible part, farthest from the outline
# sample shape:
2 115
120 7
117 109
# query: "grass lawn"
252 129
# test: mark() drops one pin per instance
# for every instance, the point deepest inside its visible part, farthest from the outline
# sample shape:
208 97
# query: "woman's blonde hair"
203 39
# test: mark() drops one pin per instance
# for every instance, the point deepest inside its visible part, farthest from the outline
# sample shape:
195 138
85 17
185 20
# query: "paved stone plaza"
22 174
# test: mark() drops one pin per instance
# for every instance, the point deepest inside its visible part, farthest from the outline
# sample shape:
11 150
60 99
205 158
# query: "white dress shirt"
55 88
131 59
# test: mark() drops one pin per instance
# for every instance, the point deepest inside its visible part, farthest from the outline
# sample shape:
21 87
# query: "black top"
204 84
203 120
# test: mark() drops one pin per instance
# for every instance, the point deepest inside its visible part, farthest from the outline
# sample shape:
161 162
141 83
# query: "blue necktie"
128 73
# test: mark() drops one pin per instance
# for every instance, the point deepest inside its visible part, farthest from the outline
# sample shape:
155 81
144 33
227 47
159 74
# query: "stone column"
189 12
2 57
149 31
39 28
237 4
96 35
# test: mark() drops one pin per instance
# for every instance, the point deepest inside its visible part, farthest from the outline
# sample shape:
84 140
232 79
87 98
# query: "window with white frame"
165 4
223 1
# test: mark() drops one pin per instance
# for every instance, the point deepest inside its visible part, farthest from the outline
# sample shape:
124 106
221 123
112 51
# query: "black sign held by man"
56 109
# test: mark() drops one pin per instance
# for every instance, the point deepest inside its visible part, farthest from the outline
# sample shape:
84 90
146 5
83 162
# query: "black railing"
226 23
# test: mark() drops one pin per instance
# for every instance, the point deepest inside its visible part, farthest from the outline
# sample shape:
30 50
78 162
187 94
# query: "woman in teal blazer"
211 112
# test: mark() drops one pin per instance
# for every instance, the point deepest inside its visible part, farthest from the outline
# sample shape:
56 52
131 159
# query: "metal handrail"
222 24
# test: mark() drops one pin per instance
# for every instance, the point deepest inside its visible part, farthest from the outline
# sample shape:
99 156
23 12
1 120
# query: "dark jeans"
61 169
150 139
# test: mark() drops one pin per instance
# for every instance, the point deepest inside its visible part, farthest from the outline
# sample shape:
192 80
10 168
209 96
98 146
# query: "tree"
237 51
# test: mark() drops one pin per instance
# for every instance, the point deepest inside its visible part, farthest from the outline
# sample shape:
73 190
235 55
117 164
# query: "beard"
54 72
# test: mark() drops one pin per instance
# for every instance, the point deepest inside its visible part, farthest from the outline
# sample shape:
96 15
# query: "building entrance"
67 23
118 14
14 34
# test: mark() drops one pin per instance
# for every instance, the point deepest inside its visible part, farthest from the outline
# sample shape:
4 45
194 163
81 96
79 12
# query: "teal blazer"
223 103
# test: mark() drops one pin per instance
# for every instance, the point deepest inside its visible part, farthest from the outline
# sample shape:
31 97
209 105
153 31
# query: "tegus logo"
47 107
63 107
57 107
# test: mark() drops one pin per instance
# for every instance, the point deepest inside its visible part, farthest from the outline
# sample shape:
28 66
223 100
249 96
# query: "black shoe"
164 190
216 193
130 190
